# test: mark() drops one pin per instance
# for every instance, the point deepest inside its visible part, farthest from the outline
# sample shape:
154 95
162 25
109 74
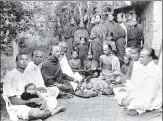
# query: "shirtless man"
110 67
109 63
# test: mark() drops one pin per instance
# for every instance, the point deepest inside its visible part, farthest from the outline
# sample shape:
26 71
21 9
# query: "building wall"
151 22
157 30
147 20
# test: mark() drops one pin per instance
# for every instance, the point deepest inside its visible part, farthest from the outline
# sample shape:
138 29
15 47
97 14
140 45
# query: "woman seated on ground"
75 63
110 73
90 64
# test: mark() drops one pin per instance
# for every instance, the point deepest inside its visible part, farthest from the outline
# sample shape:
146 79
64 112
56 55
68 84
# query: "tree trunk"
15 49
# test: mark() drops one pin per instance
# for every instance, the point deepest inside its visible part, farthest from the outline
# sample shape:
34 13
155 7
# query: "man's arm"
65 76
101 63
18 101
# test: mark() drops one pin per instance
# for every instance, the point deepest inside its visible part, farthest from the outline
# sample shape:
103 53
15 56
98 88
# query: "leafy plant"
13 19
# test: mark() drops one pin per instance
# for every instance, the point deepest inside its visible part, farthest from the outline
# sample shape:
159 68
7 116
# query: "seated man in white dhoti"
14 83
33 70
110 73
146 94
65 65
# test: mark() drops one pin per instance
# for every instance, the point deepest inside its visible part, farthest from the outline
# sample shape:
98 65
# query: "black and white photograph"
81 60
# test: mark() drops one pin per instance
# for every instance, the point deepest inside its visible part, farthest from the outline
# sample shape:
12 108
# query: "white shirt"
14 83
34 72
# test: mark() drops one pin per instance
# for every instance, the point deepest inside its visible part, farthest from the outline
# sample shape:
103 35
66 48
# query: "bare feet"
64 95
126 102
133 112
122 90
58 109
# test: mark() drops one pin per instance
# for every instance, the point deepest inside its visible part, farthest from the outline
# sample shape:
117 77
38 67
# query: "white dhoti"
119 95
16 111
67 70
53 91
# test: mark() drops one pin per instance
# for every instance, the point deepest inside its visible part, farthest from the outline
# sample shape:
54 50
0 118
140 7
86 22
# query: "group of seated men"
140 88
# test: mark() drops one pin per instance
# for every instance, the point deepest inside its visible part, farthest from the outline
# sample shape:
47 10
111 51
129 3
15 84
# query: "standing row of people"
119 35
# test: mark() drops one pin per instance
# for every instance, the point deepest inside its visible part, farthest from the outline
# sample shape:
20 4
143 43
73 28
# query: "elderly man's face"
22 61
106 49
64 47
37 57
56 52
144 57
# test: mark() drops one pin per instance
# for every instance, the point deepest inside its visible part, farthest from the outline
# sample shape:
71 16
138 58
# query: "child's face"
134 55
134 22
110 17
128 52
31 89
82 41
74 55
126 60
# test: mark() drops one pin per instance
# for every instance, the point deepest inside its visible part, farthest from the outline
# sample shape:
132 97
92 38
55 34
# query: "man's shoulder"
114 57
102 56
12 72
31 65
47 62
78 60
155 67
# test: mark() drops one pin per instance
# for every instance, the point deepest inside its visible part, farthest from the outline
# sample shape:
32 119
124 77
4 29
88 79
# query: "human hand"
35 100
122 80
93 68
58 85
62 86
76 81
43 105
41 89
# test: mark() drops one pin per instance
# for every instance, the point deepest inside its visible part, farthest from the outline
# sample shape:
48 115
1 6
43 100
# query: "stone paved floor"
101 108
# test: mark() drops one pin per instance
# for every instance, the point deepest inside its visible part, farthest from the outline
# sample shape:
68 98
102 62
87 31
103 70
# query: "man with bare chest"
110 66
109 63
